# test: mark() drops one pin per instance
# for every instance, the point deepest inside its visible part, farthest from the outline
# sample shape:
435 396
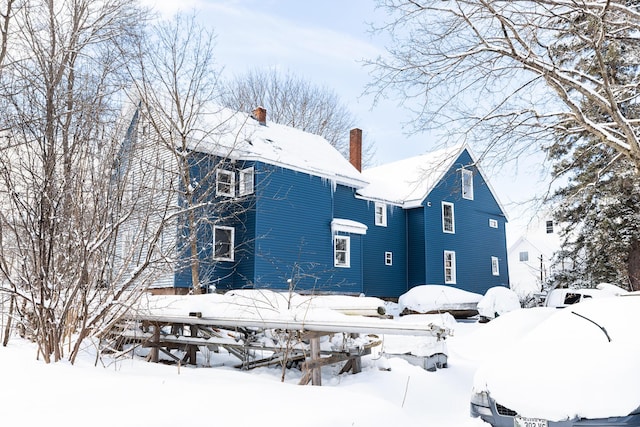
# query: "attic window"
549 227
524 256
467 184
493 223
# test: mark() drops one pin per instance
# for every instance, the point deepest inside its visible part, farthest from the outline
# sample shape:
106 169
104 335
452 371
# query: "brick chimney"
260 114
355 148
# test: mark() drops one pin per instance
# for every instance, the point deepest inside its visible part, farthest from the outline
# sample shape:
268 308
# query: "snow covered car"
564 297
579 367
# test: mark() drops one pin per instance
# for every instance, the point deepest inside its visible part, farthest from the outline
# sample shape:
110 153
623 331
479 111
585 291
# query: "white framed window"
246 181
223 243
449 267
524 256
388 258
549 227
495 266
225 183
493 223
341 251
467 184
448 220
380 214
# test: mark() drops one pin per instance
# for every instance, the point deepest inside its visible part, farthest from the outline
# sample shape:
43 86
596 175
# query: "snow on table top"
265 306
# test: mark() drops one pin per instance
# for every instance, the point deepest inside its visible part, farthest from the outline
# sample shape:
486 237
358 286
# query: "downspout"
406 250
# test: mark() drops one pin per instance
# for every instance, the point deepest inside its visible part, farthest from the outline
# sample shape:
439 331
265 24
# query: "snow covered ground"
131 392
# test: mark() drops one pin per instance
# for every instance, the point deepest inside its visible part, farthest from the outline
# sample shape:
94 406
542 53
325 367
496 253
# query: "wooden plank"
324 361
316 372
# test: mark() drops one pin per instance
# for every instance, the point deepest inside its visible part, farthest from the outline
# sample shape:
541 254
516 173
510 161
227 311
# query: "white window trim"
347 251
453 218
495 266
452 279
232 183
388 258
380 220
247 181
467 177
493 223
231 243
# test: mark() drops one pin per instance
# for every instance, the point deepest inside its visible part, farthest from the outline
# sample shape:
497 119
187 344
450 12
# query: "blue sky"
325 42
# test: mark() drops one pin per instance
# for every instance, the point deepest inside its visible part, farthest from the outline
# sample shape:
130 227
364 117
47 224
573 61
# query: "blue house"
282 209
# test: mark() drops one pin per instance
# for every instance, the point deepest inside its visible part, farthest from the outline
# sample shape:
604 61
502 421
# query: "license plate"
529 422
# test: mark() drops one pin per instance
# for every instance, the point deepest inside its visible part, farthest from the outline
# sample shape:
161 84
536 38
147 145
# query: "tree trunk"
633 265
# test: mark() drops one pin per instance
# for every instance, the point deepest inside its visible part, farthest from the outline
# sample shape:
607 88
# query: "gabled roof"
240 136
408 182
544 245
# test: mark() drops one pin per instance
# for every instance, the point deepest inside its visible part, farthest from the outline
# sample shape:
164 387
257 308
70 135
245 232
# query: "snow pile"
580 362
495 337
542 362
611 289
434 298
497 301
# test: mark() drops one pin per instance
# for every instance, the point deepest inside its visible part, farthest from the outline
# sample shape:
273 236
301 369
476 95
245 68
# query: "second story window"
246 181
225 183
448 220
549 227
380 214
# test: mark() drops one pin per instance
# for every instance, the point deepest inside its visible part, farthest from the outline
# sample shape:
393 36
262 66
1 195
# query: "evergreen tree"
600 208
599 204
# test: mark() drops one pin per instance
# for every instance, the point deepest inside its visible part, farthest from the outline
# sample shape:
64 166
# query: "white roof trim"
348 226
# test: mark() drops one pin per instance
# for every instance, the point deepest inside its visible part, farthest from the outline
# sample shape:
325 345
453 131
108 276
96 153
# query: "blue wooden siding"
293 238
379 279
213 210
474 241
283 236
416 244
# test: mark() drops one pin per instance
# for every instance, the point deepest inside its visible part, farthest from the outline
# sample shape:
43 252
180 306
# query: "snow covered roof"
238 135
407 182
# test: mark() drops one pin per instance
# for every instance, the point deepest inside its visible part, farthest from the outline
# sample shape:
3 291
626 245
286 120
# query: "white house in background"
531 257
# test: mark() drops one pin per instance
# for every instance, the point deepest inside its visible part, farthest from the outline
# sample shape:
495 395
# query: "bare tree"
61 79
176 92
295 102
502 68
